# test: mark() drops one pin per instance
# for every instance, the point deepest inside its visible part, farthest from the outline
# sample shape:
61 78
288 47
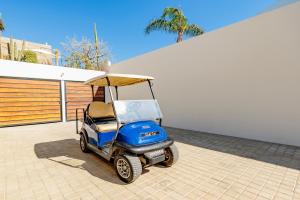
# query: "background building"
43 51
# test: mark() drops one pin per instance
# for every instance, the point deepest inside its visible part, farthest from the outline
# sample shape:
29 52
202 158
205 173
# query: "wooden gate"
29 101
79 95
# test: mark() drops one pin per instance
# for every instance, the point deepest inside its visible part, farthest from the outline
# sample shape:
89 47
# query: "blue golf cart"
128 132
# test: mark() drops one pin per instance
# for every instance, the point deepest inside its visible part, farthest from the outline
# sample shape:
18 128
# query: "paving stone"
45 162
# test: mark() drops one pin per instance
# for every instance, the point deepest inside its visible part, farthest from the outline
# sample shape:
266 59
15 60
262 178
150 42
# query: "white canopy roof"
117 79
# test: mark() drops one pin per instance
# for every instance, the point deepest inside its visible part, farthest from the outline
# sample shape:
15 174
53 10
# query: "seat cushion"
107 127
98 109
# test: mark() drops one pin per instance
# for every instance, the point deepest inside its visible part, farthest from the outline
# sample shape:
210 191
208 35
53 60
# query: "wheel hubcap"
82 143
123 168
167 154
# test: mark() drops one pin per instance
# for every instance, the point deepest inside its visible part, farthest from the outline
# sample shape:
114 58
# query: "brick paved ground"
45 162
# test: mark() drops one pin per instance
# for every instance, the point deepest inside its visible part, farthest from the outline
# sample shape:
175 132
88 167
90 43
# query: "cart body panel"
141 133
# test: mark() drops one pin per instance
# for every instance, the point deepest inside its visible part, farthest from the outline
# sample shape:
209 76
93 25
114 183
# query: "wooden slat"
29 117
21 108
27 90
79 99
99 94
72 95
74 103
79 91
25 104
28 99
28 112
73 117
73 112
82 92
84 88
87 93
13 85
28 81
20 122
73 83
79 106
19 94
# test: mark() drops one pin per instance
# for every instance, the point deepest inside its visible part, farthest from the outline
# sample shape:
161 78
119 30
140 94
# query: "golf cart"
127 131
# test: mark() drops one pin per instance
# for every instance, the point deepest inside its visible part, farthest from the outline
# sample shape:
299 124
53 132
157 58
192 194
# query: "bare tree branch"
82 54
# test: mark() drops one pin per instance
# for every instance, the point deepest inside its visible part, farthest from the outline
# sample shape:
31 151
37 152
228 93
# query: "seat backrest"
98 109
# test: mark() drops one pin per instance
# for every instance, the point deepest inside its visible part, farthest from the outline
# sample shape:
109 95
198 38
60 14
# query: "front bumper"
154 157
146 148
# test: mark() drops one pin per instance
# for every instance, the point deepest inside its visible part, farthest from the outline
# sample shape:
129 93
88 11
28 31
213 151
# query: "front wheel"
172 156
83 144
128 167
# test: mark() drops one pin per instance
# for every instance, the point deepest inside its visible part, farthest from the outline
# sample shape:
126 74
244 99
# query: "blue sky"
120 23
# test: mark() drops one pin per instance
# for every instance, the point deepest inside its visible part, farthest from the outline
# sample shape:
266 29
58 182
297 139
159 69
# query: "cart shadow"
67 152
278 154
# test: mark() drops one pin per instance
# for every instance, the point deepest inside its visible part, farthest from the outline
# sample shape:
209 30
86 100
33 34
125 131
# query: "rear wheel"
83 144
128 167
172 156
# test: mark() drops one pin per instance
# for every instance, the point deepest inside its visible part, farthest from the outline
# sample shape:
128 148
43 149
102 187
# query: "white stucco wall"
242 80
29 70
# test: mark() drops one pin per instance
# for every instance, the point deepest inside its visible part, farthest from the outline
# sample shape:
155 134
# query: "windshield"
137 110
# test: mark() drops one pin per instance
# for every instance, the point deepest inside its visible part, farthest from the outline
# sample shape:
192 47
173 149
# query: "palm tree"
173 21
2 27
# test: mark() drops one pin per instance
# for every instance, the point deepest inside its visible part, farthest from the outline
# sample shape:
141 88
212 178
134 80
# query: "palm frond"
2 27
158 25
176 17
171 12
193 30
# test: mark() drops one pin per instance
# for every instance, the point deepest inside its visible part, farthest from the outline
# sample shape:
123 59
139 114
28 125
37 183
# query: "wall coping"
17 69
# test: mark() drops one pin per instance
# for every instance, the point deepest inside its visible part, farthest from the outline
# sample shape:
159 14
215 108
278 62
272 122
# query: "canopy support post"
110 92
150 85
114 109
117 93
93 96
149 82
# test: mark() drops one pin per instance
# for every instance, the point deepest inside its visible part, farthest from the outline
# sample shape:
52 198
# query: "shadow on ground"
67 152
283 155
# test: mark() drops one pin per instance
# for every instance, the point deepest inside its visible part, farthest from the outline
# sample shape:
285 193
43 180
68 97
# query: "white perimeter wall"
242 80
29 70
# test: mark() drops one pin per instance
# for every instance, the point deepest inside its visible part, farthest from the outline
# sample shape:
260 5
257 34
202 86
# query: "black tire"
133 167
83 144
172 156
